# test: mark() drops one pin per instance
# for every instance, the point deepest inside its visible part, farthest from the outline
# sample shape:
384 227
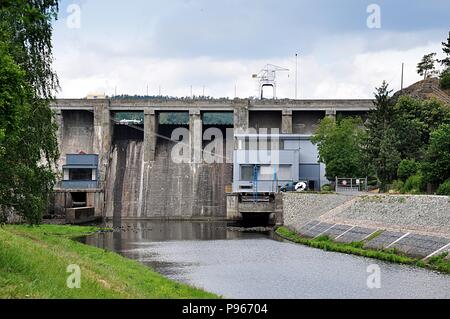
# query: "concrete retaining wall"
299 208
418 213
418 226
423 214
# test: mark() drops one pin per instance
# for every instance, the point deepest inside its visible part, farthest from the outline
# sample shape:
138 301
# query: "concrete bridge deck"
215 104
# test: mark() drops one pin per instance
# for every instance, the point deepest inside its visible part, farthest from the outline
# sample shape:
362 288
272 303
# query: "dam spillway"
133 175
163 189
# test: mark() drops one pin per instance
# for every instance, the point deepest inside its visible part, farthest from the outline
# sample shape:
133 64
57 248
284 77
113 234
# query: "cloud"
219 45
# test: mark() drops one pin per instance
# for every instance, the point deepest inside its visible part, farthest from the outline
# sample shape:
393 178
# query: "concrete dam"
163 189
122 168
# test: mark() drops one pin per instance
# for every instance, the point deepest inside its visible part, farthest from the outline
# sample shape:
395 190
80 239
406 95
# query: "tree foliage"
444 81
401 131
414 120
446 49
340 146
426 66
28 146
436 165
382 139
407 168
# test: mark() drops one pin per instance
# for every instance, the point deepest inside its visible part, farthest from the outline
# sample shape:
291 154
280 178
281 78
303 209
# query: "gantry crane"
268 77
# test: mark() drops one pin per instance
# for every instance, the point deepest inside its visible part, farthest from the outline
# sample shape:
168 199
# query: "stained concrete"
162 188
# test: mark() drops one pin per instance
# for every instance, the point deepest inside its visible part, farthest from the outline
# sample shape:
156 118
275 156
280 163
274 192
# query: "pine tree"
382 139
426 67
446 48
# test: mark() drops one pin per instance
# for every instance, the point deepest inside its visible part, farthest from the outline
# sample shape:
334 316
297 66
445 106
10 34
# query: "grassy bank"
439 263
34 260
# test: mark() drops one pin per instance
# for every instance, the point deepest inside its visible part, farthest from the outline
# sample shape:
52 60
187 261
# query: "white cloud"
337 70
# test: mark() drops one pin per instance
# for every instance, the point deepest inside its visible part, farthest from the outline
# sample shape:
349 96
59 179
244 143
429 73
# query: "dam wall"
163 189
137 177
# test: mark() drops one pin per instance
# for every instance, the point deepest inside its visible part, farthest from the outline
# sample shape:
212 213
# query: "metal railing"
351 185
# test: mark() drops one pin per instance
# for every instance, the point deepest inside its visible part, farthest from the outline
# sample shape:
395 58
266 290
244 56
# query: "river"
235 264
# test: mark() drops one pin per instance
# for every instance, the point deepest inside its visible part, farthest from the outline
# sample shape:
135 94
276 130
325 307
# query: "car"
299 186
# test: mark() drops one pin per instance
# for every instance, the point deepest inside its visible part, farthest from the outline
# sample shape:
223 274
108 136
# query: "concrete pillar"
150 131
278 209
286 122
102 136
241 118
195 135
59 120
331 113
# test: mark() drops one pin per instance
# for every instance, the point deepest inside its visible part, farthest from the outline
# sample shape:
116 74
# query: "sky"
345 48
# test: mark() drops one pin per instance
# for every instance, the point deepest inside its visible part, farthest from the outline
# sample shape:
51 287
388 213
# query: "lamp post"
296 76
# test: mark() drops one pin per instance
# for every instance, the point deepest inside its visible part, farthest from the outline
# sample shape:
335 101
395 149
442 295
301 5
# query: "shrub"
327 188
436 164
445 79
414 184
407 168
444 189
398 186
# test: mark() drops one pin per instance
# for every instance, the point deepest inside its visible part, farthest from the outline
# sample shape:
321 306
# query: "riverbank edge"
34 261
437 263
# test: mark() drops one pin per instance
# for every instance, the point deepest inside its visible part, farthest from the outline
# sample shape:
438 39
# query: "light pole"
296 76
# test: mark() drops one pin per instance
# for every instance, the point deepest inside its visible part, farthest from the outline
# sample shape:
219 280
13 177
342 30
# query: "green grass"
440 263
356 248
34 260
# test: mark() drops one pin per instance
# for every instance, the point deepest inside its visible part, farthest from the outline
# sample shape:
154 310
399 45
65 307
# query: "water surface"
254 265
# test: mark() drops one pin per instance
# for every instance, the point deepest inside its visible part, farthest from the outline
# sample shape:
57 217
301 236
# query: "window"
80 174
247 173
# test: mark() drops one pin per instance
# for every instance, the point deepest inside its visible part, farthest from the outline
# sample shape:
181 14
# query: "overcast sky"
173 44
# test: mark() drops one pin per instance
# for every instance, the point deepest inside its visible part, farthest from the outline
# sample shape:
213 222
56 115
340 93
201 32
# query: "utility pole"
159 90
203 91
147 89
191 93
296 76
235 90
401 85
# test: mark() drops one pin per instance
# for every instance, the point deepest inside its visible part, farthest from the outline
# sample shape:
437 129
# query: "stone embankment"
416 225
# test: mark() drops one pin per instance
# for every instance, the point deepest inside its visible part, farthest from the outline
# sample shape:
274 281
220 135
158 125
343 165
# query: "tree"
436 166
414 120
28 145
446 48
406 169
340 146
382 139
426 67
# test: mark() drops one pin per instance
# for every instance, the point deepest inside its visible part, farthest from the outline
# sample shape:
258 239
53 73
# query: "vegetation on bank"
28 144
34 261
404 143
439 263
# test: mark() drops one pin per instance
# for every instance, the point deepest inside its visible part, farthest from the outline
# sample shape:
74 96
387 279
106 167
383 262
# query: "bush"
327 188
414 184
436 164
445 79
398 186
407 168
444 189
